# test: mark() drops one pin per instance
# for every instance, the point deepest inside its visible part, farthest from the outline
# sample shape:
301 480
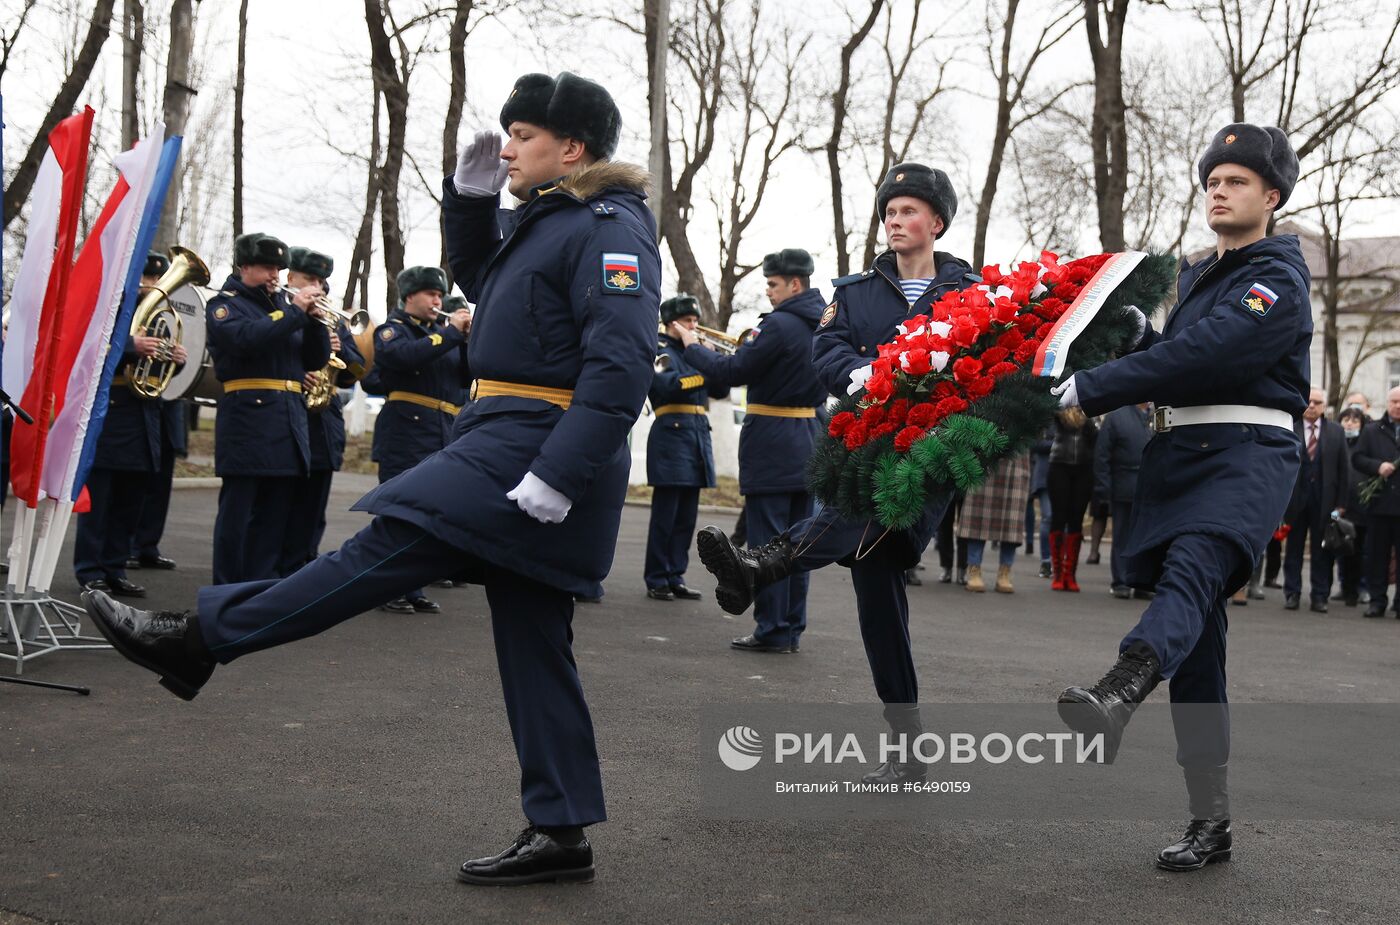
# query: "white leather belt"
1165 418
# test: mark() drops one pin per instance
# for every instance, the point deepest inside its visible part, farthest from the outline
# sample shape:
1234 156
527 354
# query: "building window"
1392 373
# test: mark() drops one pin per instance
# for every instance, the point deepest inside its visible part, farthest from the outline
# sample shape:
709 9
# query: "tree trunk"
238 85
1331 299
133 39
178 97
456 100
657 14
358 276
1108 130
395 93
833 144
23 180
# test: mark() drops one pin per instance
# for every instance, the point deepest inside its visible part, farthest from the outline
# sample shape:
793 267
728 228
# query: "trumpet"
718 341
357 321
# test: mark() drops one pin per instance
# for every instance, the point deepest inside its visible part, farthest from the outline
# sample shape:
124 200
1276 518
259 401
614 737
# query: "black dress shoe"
752 643
660 594
167 642
581 599
534 857
1272 583
896 772
445 583
1121 592
155 562
911 578
1139 595
1106 707
423 605
742 572
1375 610
1349 601
945 577
685 594
1206 841
398 605
100 584
1290 602
123 588
132 564
1318 606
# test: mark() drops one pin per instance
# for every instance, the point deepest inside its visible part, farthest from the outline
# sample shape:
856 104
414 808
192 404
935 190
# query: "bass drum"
196 379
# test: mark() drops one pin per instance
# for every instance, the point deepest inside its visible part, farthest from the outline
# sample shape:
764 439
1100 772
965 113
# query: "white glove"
537 499
1068 393
480 170
859 376
1140 320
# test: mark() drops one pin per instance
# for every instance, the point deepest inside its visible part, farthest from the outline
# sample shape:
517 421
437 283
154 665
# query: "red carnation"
840 423
905 439
856 436
980 387
953 405
1011 339
1002 369
884 430
1026 351
944 389
994 355
1044 330
897 411
922 415
965 369
1027 323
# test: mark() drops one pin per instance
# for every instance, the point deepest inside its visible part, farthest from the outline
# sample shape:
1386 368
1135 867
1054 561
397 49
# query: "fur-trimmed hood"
605 175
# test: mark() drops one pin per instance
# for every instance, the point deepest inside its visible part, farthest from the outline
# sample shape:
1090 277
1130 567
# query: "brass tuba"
154 317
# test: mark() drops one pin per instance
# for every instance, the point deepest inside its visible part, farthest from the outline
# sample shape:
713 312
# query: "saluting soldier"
128 456
530 496
1228 376
680 459
780 428
325 427
263 344
423 372
918 204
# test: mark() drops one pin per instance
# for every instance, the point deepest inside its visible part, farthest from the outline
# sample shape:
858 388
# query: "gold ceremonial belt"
267 385
485 388
679 409
780 411
446 407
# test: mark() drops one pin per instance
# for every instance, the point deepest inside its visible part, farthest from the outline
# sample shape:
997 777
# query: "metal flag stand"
34 619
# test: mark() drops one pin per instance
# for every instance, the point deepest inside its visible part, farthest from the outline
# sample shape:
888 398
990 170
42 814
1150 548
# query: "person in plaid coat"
995 512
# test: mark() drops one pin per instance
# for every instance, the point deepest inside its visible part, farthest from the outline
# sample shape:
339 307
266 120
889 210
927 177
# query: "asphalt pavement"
344 778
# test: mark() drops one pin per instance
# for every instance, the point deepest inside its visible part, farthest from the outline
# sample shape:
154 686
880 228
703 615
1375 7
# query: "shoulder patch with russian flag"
1259 299
621 273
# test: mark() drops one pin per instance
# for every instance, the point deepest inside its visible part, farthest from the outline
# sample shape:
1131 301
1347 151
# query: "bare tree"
1108 132
456 99
133 41
179 94
358 275
1013 108
764 82
840 101
391 77
9 36
74 81
239 82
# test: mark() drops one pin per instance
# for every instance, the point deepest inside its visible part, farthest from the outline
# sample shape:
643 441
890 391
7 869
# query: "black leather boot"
1207 839
1107 706
742 572
534 857
903 718
167 642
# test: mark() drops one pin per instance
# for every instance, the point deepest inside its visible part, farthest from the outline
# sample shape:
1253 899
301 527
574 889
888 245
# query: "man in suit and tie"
1319 492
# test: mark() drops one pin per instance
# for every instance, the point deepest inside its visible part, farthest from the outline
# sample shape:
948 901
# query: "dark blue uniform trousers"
150 526
877 574
415 593
560 782
251 526
1185 625
307 522
673 512
104 534
780 610
1122 514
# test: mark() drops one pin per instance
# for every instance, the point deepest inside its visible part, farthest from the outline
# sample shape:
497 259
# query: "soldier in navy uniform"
529 498
263 344
129 455
918 204
325 428
1228 376
780 428
680 460
423 372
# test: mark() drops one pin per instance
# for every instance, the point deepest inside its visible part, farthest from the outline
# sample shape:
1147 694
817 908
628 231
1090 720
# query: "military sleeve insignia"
221 313
386 333
749 336
621 273
829 315
435 339
277 315
1259 299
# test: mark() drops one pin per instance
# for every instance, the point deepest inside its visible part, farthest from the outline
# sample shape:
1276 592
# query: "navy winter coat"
1118 453
1222 344
776 365
679 452
553 309
427 359
255 334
